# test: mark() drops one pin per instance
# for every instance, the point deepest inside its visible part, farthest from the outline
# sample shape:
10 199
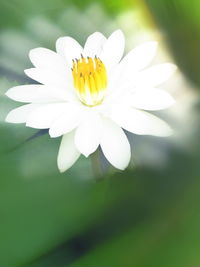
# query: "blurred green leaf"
152 221
179 20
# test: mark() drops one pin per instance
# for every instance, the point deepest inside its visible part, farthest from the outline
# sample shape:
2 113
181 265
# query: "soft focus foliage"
180 23
148 215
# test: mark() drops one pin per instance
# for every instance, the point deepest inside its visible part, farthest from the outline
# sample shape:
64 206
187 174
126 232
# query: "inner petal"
90 80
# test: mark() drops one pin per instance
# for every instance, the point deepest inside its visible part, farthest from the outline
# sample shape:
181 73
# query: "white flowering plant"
89 95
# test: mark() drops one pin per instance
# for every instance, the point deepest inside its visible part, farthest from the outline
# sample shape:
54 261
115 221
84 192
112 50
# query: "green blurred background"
146 216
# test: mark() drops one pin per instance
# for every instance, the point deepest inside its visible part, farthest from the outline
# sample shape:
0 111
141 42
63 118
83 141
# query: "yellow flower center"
90 80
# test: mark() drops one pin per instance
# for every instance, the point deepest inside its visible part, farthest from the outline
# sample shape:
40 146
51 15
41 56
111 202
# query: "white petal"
87 137
68 154
152 99
113 49
66 122
155 75
20 114
139 57
45 58
115 145
94 44
43 117
68 48
36 93
126 72
139 122
48 77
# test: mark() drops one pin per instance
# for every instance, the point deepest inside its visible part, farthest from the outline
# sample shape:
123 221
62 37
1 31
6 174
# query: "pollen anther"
90 80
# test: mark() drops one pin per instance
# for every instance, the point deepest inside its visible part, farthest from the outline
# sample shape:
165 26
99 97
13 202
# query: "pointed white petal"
20 114
68 48
66 122
115 145
48 77
68 154
94 44
139 122
155 75
152 99
113 49
43 117
45 58
139 57
88 134
36 93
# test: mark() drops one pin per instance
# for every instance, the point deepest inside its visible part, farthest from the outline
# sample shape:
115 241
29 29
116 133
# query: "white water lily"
90 95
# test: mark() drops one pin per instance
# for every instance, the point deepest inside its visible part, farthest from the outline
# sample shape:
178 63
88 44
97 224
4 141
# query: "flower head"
89 95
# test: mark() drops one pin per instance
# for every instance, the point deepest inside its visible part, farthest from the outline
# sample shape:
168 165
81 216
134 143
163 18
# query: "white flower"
89 95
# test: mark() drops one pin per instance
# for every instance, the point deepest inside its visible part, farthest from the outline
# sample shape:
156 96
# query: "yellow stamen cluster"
90 80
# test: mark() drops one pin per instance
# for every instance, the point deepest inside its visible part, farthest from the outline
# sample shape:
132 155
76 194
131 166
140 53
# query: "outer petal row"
115 145
60 118
91 132
45 58
139 122
88 134
67 121
36 93
155 75
112 139
108 134
139 57
49 77
136 60
150 99
68 153
20 114
44 116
